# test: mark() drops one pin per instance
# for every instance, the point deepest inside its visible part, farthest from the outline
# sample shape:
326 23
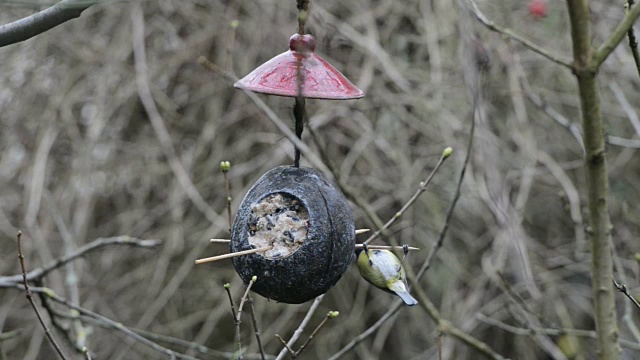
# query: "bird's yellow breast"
381 268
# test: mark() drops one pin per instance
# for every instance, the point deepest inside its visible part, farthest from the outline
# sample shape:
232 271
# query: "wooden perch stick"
222 241
386 247
263 249
230 255
358 246
226 241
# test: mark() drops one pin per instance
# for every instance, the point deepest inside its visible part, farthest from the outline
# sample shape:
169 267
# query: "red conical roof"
279 76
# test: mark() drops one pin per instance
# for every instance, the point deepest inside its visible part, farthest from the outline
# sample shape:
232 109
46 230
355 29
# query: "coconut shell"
323 257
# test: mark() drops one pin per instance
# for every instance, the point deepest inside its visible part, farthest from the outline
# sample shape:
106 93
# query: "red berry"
537 8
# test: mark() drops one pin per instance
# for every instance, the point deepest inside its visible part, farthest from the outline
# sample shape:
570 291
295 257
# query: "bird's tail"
407 298
399 288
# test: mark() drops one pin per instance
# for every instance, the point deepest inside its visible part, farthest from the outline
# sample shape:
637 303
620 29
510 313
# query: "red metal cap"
278 76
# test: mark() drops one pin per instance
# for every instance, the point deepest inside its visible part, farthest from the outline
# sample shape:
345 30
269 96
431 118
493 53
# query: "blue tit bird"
382 269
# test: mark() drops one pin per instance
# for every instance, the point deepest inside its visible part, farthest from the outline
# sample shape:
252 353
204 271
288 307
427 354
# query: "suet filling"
280 221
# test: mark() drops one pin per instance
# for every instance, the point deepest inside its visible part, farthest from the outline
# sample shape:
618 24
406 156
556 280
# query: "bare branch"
423 186
111 324
300 329
574 128
444 326
473 6
618 34
33 303
330 315
623 289
47 19
633 42
238 318
157 122
548 331
356 340
262 106
586 64
192 345
97 244
256 329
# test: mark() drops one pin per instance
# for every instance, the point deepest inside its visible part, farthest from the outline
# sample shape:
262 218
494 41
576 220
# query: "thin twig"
87 353
290 350
628 317
560 119
350 193
109 323
80 338
633 42
227 287
275 120
196 346
33 303
379 53
11 334
300 329
426 264
574 128
330 315
157 337
47 19
423 186
549 331
372 329
54 315
94 245
238 318
157 122
618 34
529 317
573 198
447 328
167 339
444 327
246 294
432 252
623 289
256 329
225 166
514 296
626 106
473 6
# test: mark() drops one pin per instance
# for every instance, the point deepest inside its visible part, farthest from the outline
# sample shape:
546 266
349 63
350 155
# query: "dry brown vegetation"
80 160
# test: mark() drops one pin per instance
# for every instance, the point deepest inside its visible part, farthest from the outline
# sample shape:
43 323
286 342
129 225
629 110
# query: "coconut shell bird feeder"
294 226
